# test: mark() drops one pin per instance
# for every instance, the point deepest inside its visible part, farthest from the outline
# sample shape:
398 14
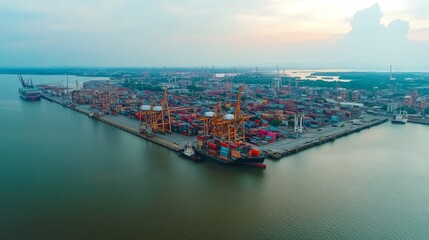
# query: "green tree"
410 110
194 88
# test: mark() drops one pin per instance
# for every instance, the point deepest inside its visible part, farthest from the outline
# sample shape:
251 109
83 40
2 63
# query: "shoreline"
160 141
419 121
276 150
316 141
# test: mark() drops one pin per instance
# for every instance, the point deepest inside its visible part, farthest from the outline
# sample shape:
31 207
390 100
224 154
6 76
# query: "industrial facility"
251 108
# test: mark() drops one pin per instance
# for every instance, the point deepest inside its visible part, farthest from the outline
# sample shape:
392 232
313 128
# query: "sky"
351 34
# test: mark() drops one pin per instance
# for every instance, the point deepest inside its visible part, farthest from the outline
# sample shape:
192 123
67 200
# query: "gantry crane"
24 83
158 118
277 82
211 122
104 98
229 127
237 131
145 114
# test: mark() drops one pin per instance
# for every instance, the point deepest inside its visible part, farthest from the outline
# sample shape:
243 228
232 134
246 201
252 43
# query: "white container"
157 108
228 117
209 114
145 107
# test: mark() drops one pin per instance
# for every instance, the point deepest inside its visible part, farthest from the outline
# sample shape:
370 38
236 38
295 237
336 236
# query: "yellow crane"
229 127
158 117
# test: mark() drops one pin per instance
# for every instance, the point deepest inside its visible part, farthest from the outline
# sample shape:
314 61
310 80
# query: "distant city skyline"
290 33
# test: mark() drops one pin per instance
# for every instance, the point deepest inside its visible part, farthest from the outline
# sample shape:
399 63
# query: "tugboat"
401 118
189 153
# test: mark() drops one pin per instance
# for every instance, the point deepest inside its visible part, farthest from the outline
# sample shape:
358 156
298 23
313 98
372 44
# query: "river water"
66 176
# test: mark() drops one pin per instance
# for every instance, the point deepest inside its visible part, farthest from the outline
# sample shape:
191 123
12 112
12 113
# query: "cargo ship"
31 94
224 152
28 90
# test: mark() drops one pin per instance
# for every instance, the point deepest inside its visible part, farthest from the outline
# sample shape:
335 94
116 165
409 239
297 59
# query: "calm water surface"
65 176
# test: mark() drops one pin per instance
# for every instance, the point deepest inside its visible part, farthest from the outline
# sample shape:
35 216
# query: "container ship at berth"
228 153
28 90
224 138
31 94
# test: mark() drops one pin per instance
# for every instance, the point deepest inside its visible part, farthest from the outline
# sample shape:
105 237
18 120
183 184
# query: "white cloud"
190 32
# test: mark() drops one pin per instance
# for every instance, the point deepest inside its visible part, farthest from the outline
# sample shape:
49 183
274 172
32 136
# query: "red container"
212 152
139 116
255 152
212 146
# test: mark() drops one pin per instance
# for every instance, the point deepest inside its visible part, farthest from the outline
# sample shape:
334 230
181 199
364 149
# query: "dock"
133 129
287 147
419 121
275 150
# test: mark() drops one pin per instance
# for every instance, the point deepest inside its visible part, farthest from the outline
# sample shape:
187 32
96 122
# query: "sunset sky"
290 33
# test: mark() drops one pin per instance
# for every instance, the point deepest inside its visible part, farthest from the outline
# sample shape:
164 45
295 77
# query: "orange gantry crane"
212 122
160 117
237 129
104 98
229 127
157 118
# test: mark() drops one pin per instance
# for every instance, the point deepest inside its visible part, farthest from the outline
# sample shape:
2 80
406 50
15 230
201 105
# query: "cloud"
367 22
398 30
368 33
207 32
420 8
174 8
371 43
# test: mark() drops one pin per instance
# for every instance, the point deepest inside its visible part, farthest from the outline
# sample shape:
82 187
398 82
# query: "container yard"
270 114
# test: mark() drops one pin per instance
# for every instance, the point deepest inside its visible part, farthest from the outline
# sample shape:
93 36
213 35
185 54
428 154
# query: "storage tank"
157 108
145 107
228 117
209 114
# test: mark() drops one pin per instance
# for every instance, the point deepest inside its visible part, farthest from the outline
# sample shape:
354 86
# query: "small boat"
189 153
401 118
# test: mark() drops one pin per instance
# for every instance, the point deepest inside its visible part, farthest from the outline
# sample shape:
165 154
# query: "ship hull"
31 98
194 157
398 121
254 161
30 94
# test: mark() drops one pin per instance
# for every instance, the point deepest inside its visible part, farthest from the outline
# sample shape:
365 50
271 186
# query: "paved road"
314 134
